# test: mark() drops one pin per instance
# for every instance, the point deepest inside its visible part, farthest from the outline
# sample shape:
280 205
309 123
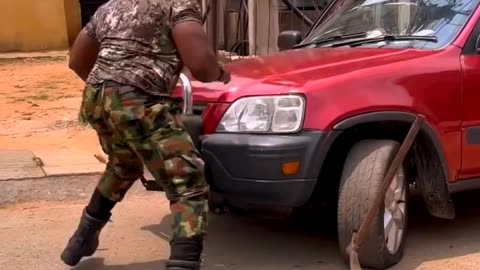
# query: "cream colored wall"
37 25
73 19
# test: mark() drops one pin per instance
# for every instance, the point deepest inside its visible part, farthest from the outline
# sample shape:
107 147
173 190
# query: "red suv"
320 121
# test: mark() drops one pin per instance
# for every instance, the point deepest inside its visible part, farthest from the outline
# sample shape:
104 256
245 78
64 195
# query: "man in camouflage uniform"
130 55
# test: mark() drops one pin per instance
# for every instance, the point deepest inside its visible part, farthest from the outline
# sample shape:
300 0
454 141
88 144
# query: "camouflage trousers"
137 129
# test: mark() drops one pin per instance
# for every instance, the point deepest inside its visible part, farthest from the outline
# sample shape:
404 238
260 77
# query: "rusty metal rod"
298 12
358 238
149 185
207 12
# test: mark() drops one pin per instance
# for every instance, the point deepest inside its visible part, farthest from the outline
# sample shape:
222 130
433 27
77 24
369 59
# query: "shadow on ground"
242 242
97 263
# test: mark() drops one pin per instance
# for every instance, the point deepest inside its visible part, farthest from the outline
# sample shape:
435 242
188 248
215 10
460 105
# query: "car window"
441 18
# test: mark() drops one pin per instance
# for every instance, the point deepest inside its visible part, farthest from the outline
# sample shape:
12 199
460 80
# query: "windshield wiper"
331 39
359 42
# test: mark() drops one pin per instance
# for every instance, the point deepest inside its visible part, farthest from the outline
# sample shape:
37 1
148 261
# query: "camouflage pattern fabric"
136 45
135 128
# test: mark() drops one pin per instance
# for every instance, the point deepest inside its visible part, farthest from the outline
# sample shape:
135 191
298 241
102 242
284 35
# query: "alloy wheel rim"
394 219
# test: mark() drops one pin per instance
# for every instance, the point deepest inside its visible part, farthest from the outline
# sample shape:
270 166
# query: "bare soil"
39 102
38 216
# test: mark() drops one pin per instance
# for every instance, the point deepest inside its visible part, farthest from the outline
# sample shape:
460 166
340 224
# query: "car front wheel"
363 172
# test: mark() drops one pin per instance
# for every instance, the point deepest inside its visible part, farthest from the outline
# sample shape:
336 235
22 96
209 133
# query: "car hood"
297 71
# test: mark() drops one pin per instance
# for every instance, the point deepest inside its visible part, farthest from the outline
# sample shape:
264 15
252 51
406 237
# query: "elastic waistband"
113 84
159 97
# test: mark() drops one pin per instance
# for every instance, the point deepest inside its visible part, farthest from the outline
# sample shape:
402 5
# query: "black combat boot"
185 254
84 241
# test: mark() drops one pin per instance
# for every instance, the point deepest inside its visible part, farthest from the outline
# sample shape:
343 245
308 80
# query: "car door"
470 61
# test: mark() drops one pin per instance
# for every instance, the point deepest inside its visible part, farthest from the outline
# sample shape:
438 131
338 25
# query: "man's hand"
225 76
83 55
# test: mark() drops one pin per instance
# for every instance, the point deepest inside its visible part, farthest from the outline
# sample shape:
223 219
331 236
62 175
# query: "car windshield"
439 18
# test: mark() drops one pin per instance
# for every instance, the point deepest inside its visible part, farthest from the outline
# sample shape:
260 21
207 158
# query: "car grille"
199 108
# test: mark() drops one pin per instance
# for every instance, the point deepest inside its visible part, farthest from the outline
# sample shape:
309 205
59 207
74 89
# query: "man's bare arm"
196 53
83 55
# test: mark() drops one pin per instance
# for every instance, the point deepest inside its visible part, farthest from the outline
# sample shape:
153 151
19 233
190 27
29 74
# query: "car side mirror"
288 39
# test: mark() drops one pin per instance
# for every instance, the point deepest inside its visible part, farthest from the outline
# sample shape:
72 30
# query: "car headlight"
264 114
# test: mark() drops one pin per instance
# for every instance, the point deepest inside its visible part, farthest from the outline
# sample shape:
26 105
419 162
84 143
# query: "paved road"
34 231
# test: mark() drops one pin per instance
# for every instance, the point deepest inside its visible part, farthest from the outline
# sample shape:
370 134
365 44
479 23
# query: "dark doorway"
88 8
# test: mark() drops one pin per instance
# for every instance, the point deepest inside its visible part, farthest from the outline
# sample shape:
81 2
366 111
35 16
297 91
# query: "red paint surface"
343 82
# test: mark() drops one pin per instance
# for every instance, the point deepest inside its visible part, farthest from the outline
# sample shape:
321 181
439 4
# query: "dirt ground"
38 216
39 104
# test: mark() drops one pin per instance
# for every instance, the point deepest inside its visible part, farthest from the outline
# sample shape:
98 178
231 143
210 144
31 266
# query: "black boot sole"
73 261
182 265
69 261
74 251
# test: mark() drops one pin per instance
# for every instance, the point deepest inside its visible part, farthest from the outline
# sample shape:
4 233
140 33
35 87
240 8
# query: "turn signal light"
290 168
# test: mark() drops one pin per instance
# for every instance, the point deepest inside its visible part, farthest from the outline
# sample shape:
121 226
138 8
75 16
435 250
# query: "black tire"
216 204
363 172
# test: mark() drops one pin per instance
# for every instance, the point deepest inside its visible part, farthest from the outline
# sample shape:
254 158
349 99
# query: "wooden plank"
212 24
263 26
231 30
252 26
222 23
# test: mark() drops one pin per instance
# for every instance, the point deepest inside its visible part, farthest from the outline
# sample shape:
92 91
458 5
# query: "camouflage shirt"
136 46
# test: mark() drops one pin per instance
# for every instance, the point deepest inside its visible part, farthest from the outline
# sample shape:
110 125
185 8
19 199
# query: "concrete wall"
37 25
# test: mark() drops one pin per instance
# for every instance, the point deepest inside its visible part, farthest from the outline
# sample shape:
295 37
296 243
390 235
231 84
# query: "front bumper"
247 169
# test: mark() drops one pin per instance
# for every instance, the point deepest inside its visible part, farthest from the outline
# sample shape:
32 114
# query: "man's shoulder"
143 5
130 14
138 9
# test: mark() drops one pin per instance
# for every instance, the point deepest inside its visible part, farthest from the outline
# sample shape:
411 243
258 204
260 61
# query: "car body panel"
343 83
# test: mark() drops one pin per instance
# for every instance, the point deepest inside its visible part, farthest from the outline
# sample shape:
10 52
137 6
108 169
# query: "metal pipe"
187 94
298 12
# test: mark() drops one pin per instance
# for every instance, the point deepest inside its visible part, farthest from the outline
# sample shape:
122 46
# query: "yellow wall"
73 19
38 25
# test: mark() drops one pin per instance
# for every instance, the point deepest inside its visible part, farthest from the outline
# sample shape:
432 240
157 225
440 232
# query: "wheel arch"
396 116
424 156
